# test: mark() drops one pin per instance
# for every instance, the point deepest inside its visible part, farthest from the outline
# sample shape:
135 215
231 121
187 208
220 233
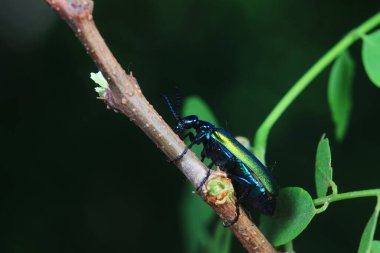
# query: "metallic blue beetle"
254 185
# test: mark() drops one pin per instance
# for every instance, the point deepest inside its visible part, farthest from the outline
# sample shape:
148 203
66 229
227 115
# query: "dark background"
76 177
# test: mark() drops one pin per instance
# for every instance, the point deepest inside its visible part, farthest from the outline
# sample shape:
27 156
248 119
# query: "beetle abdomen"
246 157
257 198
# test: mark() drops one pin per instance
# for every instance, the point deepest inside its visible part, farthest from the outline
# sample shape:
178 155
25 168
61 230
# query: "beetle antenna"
178 118
179 98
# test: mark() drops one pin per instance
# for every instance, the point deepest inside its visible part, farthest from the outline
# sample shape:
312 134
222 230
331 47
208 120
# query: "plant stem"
262 133
348 195
289 247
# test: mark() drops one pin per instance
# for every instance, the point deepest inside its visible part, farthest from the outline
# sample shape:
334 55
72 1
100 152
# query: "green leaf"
196 217
375 247
294 211
323 170
371 56
366 241
339 93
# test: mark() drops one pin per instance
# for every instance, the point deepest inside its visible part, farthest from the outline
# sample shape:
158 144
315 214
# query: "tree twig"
124 95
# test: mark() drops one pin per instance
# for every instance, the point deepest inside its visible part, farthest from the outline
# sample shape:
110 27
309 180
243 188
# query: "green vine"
295 207
347 195
261 137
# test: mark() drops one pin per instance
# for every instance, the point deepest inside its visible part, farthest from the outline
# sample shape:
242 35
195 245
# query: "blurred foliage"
339 93
371 55
366 241
197 217
240 56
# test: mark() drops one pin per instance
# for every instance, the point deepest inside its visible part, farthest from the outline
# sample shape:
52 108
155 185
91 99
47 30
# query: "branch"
124 95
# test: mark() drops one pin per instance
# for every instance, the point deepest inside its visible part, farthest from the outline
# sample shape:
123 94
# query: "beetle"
254 186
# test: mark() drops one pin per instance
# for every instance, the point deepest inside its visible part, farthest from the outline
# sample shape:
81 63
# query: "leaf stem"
348 195
262 133
289 247
322 208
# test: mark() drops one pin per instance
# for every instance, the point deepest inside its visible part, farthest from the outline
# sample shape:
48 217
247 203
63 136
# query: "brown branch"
125 96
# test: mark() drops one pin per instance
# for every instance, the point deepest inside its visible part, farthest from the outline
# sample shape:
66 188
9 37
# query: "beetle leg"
203 155
190 135
196 140
182 154
206 177
239 200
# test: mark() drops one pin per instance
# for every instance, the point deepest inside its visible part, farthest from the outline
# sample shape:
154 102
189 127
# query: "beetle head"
186 123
